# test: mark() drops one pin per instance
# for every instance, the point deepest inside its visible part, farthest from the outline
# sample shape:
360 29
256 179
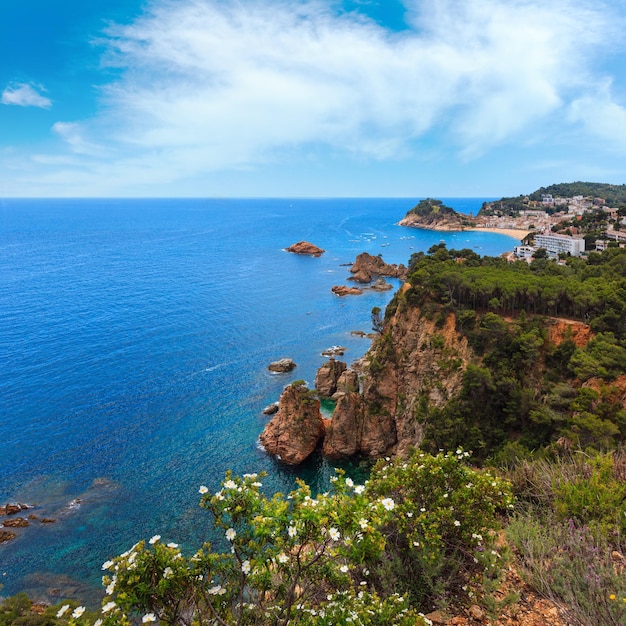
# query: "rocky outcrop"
343 435
342 290
328 376
12 509
334 351
367 267
304 247
381 285
15 522
297 428
281 366
348 381
6 535
270 409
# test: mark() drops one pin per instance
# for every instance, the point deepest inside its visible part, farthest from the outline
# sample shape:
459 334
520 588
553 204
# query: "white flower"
334 534
108 607
203 489
168 572
98 622
388 504
257 484
282 558
456 522
230 484
78 611
245 567
409 514
359 489
231 534
363 523
344 569
292 531
252 476
111 587
154 539
148 617
63 609
349 482
172 545
215 590
107 565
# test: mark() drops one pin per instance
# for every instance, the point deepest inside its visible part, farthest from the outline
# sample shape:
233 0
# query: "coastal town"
547 225
557 225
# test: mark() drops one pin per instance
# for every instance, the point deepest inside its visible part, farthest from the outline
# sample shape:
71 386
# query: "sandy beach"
510 232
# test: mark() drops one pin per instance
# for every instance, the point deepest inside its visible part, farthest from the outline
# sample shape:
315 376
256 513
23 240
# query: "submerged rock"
296 429
6 535
304 247
281 366
15 522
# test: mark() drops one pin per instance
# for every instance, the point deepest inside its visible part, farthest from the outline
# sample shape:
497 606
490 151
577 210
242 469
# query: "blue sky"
310 98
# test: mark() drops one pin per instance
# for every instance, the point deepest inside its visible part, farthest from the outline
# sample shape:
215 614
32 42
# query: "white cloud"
233 82
25 95
601 116
72 134
208 85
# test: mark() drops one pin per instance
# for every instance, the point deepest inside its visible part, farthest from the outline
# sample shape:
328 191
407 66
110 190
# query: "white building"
555 244
524 252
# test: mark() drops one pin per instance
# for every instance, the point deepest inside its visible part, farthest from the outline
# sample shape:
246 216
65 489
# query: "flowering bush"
287 560
442 536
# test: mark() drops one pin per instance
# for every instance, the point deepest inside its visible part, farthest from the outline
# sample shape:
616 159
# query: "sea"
135 336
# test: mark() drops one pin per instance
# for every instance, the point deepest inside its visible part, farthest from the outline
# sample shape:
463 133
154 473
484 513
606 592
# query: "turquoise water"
134 342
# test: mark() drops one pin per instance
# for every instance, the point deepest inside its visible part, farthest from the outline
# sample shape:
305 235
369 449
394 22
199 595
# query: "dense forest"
527 392
615 195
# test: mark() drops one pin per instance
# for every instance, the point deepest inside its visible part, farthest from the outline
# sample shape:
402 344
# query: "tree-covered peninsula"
435 215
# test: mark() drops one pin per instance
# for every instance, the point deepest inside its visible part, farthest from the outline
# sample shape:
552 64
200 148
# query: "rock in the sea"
367 267
15 522
12 509
295 431
327 377
6 535
381 285
281 366
334 351
342 290
270 409
304 247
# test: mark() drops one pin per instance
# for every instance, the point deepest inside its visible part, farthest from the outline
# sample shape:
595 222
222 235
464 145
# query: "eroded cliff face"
415 360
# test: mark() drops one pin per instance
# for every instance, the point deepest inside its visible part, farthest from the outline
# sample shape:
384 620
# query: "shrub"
441 539
294 560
